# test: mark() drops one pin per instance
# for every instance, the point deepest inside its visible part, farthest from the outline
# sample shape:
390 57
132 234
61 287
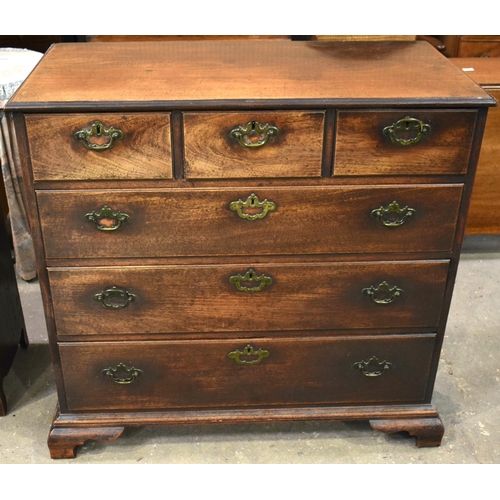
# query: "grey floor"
467 395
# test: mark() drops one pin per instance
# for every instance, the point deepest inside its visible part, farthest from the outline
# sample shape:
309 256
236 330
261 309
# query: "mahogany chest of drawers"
246 233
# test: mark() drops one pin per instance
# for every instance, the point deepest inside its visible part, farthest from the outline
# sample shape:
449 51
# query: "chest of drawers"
233 233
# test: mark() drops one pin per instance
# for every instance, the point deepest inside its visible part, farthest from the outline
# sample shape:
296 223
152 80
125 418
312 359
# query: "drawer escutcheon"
252 203
248 351
407 131
394 208
373 367
260 134
383 294
249 277
132 373
97 129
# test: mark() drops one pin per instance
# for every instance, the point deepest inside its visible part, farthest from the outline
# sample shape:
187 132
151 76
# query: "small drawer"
252 221
403 142
97 146
249 145
254 372
247 297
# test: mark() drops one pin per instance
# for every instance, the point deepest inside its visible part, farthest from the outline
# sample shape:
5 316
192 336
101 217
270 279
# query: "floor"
467 395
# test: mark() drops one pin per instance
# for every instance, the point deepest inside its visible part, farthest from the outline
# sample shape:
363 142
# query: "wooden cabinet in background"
471 45
484 212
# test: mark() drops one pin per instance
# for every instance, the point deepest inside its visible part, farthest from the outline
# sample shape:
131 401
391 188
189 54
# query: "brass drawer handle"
248 351
130 374
97 129
389 216
407 131
249 277
106 219
114 298
383 294
373 367
253 134
252 203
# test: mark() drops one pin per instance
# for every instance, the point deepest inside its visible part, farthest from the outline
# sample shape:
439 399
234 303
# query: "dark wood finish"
363 149
484 212
62 442
301 297
12 329
199 74
321 220
143 153
210 152
428 431
301 371
183 243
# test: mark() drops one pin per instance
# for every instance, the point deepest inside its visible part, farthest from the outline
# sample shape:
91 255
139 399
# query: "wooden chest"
484 213
246 234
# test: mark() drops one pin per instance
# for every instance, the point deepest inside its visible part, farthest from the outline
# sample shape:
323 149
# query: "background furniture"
246 242
471 45
15 66
12 329
484 212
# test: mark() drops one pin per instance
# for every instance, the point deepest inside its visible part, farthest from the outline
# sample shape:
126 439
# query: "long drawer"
247 297
252 221
257 372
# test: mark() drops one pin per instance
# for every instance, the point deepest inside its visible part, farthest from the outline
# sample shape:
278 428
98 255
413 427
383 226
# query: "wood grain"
143 153
200 374
201 298
210 152
363 149
307 220
200 73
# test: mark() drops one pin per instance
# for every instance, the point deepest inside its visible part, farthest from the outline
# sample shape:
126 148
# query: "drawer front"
239 145
278 221
247 297
220 373
403 142
140 149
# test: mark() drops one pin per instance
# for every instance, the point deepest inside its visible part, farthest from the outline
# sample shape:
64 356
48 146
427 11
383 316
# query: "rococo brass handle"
257 209
97 129
249 277
248 351
383 294
253 134
373 367
407 131
393 215
114 298
106 219
125 375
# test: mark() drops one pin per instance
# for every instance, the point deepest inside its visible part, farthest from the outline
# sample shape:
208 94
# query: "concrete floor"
467 395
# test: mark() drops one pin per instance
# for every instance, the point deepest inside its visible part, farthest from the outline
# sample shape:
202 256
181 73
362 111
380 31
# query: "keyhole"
98 129
253 125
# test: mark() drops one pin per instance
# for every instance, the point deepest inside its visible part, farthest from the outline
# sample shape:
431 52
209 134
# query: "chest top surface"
266 73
